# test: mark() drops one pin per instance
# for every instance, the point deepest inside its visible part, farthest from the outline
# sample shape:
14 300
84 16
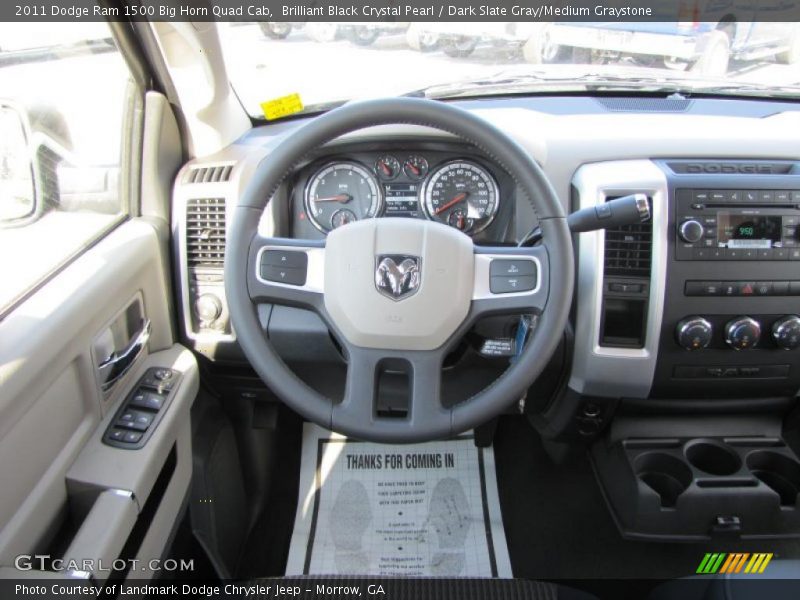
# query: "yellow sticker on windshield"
282 107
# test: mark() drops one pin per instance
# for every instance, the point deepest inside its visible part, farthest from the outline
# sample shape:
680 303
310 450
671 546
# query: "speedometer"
463 195
340 193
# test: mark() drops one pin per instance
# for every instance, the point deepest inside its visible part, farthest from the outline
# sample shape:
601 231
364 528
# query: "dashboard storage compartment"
686 489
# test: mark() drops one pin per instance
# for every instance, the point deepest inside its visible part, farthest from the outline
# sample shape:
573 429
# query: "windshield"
330 63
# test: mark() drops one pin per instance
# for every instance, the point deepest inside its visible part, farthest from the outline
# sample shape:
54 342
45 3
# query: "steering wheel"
395 292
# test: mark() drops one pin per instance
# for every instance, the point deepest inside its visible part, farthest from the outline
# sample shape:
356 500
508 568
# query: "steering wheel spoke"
418 373
510 280
286 271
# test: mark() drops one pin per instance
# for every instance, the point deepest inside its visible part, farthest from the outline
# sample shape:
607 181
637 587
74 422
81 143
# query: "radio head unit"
737 225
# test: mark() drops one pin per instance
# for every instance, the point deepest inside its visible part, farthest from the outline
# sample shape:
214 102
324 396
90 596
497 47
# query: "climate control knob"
786 332
208 308
691 231
742 333
694 333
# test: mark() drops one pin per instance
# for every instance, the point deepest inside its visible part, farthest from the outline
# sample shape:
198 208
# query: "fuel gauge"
387 167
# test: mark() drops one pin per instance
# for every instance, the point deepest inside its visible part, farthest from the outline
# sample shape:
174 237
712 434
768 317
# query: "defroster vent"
205 232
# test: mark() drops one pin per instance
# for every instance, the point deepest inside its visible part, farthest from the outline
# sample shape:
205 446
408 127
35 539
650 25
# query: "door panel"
51 403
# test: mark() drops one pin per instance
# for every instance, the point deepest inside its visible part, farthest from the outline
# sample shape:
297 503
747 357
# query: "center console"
696 321
706 302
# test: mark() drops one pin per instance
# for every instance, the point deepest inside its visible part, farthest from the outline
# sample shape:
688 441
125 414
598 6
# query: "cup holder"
713 457
778 472
665 474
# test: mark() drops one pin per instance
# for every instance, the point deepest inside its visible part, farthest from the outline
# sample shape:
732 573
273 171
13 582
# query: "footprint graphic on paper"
449 516
349 519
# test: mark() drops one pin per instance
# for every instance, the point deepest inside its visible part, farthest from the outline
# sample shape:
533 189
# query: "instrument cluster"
458 189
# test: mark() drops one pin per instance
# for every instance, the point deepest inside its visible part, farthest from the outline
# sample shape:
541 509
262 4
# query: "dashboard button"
693 288
766 196
509 285
763 288
747 288
509 268
749 371
285 258
794 253
765 254
783 197
794 288
749 196
780 254
625 288
730 288
718 196
780 288
283 275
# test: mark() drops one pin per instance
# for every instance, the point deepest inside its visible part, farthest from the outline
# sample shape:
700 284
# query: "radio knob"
691 231
694 333
786 332
742 333
208 308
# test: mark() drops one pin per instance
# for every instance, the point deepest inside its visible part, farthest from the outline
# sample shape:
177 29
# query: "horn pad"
400 284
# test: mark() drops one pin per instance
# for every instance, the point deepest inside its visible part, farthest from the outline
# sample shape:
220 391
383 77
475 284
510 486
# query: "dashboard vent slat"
209 174
628 250
205 232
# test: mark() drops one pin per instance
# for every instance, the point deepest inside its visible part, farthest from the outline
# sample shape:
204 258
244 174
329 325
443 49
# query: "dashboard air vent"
209 174
205 232
628 250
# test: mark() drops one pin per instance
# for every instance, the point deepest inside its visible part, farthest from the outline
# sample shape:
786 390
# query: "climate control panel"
739 332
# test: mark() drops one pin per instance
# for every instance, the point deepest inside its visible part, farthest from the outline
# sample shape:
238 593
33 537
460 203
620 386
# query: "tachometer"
341 192
461 194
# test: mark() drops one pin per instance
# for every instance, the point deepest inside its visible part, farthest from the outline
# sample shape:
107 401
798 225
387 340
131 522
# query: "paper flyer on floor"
427 509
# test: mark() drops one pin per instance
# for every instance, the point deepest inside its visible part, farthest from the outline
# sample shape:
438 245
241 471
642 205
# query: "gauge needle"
385 168
414 169
456 199
338 198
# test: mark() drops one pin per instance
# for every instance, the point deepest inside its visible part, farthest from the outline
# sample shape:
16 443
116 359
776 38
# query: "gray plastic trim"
617 372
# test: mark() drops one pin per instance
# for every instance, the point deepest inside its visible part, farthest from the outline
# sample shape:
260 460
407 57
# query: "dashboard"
700 303
452 184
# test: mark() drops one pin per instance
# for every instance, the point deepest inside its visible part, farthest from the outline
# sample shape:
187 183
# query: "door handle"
119 362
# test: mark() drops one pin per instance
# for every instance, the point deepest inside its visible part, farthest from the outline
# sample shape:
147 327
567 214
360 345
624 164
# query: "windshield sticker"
282 107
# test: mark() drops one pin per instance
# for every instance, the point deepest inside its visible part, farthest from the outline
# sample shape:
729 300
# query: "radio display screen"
748 231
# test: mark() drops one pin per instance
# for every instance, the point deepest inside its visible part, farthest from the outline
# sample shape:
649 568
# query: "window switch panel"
139 414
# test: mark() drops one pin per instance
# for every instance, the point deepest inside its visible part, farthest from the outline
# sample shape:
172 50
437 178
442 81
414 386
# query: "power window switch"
132 437
148 400
117 435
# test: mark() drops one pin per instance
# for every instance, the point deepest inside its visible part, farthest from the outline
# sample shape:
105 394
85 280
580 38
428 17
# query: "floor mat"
427 509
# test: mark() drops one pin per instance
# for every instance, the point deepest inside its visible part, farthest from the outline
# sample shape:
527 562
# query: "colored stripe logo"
736 562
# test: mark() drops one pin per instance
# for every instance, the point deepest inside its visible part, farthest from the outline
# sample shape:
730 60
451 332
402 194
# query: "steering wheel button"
285 258
512 268
286 275
509 285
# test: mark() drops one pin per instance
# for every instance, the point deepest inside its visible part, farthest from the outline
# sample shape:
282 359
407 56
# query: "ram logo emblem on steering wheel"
397 276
